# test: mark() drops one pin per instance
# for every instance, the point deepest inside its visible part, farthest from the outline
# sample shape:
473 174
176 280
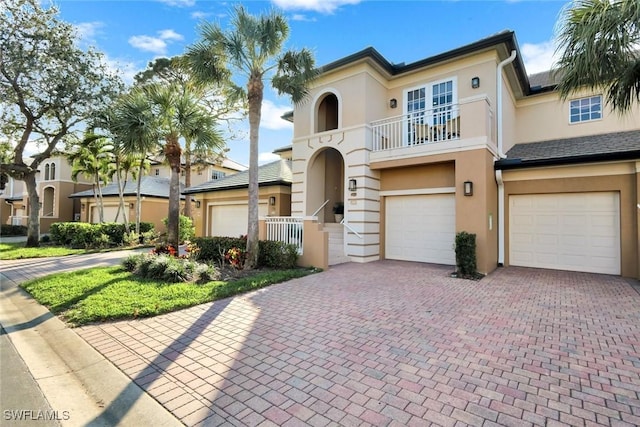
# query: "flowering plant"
235 257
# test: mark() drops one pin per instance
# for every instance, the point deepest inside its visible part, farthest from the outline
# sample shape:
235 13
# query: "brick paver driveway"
394 343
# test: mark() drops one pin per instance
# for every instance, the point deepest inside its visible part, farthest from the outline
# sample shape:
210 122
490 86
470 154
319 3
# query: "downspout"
501 155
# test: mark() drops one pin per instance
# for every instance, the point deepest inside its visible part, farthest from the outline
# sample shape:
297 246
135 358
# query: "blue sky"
131 33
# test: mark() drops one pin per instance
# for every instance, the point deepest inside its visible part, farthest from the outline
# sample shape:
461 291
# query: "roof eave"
236 187
507 164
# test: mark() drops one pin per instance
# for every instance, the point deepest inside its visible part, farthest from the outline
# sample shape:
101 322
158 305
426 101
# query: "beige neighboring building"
54 185
201 172
466 141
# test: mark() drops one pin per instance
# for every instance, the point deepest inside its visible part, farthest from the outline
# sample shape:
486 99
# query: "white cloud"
200 15
170 35
539 57
88 30
272 116
267 158
179 3
149 44
301 17
125 69
322 6
157 45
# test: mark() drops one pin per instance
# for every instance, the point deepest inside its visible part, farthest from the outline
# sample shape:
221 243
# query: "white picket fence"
285 229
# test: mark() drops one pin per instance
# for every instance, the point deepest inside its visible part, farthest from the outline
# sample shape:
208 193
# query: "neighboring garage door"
572 231
109 214
231 220
421 228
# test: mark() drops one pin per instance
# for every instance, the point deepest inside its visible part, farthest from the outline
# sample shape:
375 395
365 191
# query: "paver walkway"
395 343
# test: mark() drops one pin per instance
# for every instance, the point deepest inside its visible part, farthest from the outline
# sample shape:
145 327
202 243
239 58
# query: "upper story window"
327 116
157 172
218 175
585 109
431 112
49 171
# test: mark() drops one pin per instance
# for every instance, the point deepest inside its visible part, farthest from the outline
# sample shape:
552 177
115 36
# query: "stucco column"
637 209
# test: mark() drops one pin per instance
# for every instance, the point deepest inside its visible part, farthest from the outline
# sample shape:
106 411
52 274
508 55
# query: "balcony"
454 127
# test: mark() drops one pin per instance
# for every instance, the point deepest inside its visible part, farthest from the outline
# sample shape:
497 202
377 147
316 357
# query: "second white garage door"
231 220
421 228
571 231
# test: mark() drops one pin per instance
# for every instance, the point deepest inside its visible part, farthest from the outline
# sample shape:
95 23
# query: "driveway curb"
82 387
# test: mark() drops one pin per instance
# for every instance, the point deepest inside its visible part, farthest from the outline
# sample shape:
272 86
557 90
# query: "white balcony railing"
416 128
285 229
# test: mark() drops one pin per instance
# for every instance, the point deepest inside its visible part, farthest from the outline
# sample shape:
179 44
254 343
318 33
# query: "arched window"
327 118
48 201
53 171
46 172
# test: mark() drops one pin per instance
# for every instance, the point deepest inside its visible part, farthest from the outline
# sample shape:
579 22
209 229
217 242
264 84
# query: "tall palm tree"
600 44
155 113
253 48
92 158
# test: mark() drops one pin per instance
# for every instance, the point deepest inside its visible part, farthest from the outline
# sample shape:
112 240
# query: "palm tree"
155 113
92 158
600 42
253 47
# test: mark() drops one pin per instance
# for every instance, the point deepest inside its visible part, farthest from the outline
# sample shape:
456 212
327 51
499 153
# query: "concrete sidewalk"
81 387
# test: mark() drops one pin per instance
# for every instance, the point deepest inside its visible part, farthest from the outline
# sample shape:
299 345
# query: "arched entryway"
325 181
47 201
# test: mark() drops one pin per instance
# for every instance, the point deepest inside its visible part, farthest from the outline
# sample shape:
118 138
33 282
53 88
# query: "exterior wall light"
468 188
272 200
393 103
130 205
475 82
353 185
198 204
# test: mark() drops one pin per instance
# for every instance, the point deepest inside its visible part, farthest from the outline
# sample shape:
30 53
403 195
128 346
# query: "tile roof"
151 186
583 148
278 172
544 79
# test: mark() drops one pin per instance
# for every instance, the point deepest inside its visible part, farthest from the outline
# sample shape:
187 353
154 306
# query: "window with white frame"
431 112
218 175
585 109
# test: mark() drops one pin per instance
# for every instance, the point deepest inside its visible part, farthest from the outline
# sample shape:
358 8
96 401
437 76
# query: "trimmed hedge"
466 253
272 254
85 235
13 230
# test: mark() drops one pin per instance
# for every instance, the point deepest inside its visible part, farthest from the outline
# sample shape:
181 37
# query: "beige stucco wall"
545 117
619 177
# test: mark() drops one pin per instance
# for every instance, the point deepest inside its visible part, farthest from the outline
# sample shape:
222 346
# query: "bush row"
13 230
272 254
85 235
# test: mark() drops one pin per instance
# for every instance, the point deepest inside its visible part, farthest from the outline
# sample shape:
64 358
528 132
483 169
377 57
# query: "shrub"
274 254
213 249
85 235
236 257
466 253
186 229
13 230
169 269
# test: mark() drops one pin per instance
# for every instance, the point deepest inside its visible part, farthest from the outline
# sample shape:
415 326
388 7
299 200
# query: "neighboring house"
154 206
221 207
54 185
467 141
200 172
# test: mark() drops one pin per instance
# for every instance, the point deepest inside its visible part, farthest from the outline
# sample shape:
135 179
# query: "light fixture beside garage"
468 188
198 204
353 185
272 200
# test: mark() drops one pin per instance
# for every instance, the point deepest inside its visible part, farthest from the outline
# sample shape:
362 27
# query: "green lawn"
100 294
16 250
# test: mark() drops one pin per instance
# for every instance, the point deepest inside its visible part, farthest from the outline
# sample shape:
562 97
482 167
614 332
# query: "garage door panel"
420 228
573 231
230 220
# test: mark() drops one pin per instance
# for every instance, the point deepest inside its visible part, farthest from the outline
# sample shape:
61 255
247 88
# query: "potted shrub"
338 211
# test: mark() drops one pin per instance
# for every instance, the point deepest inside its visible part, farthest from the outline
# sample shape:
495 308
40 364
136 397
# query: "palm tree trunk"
99 199
138 197
255 93
187 178
172 152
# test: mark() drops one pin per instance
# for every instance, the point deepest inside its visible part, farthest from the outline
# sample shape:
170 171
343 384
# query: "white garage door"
421 228
109 214
573 231
231 220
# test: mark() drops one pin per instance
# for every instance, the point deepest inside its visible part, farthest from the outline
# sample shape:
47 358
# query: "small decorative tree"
466 254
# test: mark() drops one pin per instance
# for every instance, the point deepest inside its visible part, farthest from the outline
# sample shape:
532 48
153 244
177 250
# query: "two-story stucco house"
467 141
